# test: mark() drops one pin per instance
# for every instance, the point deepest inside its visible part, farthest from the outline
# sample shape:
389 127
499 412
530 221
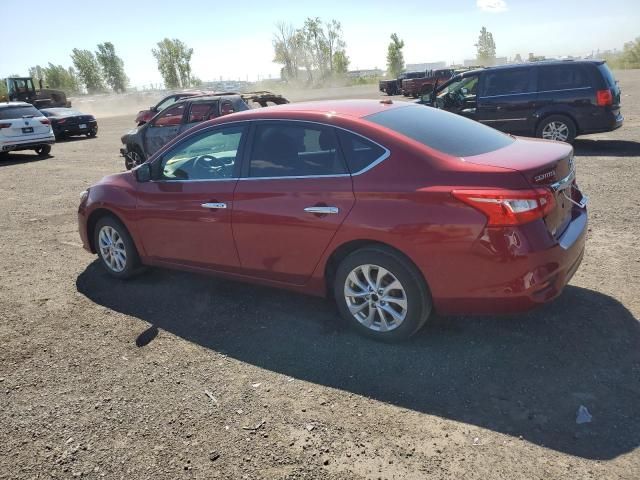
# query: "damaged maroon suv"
393 209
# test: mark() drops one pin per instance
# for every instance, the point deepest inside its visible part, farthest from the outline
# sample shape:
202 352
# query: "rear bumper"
9 146
75 129
512 271
609 123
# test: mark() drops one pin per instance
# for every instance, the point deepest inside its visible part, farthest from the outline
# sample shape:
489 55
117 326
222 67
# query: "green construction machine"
22 89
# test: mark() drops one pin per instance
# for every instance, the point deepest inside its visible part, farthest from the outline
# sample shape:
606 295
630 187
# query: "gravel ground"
175 375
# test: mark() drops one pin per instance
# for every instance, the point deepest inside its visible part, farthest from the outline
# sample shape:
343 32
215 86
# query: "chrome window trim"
504 120
174 180
534 92
379 160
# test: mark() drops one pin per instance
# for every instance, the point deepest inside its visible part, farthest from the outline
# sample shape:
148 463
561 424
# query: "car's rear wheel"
115 248
43 150
92 133
381 294
557 127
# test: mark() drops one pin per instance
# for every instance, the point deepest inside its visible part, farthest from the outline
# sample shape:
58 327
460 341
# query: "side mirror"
143 173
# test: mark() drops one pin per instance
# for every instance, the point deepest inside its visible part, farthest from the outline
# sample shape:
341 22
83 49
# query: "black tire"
43 150
132 265
92 133
132 162
416 292
564 123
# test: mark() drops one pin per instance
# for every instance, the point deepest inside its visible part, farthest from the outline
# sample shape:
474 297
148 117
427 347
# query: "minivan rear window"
12 113
443 131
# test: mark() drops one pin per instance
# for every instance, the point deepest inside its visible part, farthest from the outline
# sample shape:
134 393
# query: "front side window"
359 152
207 156
171 116
507 82
294 150
562 77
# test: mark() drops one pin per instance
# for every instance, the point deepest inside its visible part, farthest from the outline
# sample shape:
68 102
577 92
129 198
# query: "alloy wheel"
558 131
375 298
112 248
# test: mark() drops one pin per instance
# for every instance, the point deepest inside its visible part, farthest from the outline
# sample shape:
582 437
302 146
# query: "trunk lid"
544 164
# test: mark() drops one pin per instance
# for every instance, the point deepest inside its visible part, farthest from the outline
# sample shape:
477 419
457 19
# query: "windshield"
12 113
468 83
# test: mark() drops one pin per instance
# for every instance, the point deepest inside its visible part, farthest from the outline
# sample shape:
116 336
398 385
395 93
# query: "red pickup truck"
415 87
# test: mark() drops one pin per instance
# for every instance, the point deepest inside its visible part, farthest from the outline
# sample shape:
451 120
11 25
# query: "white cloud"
493 6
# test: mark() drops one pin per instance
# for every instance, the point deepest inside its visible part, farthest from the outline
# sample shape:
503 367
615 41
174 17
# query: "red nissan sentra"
394 209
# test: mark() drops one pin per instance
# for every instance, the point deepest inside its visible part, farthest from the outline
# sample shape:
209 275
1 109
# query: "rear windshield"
443 131
11 113
607 74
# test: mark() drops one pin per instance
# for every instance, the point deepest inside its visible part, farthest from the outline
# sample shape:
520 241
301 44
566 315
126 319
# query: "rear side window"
358 152
294 150
607 74
507 82
562 77
443 131
11 113
202 111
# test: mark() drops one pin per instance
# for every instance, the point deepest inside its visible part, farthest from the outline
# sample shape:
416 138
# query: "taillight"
509 207
604 98
5 125
45 121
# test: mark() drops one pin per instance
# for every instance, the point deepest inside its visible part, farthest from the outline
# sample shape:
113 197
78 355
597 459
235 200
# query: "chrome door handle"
324 210
214 205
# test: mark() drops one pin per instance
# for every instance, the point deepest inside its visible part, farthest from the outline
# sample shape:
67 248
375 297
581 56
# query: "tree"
88 70
174 62
37 73
112 67
631 54
395 58
316 47
486 48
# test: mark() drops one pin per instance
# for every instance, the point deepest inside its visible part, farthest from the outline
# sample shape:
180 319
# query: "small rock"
214 455
310 427
326 462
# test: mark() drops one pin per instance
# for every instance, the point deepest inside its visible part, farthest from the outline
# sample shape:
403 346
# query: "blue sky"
233 39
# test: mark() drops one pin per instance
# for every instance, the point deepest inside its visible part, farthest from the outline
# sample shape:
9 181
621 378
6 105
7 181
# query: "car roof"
533 64
15 104
345 108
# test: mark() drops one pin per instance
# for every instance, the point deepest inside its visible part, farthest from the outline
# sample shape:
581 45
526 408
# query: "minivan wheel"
557 127
381 294
115 248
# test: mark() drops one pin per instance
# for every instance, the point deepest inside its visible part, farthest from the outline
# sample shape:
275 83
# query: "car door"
293 195
507 99
164 127
200 112
185 211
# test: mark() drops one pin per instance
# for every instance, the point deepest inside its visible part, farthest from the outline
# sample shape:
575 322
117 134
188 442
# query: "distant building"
421 67
472 62
368 73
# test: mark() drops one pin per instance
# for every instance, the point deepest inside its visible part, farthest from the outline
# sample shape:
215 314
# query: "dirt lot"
105 379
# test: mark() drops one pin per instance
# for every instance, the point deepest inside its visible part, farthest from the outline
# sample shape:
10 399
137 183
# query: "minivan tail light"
509 207
604 98
45 121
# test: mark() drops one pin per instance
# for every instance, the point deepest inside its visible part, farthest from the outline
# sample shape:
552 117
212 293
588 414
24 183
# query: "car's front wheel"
133 158
115 248
382 294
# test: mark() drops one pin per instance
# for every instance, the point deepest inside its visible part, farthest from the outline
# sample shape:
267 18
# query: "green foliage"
629 57
486 48
174 62
395 58
317 47
88 70
56 77
112 67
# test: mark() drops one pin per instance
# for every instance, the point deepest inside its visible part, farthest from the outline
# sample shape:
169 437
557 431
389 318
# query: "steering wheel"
209 164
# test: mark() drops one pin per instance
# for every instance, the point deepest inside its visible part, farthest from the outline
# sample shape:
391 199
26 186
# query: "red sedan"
393 209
